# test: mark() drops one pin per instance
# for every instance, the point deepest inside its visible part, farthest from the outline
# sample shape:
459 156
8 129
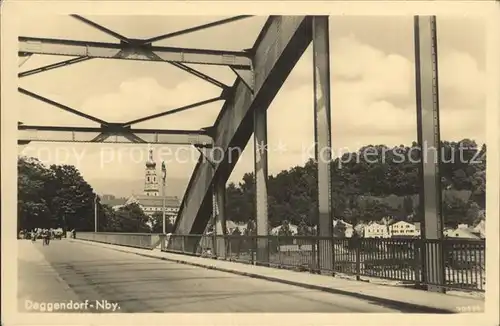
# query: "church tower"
151 185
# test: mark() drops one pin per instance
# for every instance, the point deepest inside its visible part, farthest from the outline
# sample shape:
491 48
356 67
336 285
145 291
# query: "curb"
405 307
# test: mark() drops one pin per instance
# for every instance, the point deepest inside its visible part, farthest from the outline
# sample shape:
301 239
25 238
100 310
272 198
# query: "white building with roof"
376 230
404 229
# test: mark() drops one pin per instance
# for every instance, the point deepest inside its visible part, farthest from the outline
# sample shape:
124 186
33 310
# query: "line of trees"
58 195
363 190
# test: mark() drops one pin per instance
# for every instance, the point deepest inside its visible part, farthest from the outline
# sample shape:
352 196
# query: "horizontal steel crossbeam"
133 50
28 133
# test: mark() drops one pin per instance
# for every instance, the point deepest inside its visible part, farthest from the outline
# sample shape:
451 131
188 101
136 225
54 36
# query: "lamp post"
164 178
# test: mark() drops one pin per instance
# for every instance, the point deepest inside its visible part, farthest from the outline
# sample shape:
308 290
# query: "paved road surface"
74 271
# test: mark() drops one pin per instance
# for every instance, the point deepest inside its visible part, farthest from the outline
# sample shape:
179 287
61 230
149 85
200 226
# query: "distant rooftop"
157 201
113 202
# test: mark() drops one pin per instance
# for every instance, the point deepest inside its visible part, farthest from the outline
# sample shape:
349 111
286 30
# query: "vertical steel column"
95 214
164 224
214 220
426 73
322 135
261 176
220 200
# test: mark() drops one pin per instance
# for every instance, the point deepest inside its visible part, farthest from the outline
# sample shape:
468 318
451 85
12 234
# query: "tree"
479 187
238 204
157 223
454 212
285 231
33 209
236 242
131 218
303 230
72 198
473 212
53 197
107 219
407 205
251 229
339 230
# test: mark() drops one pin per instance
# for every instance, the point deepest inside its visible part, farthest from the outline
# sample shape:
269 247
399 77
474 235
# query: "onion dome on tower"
150 163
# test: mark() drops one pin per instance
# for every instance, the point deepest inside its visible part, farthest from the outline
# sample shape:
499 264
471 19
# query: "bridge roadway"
74 271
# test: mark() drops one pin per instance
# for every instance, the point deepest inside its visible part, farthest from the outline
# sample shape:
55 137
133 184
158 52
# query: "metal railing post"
357 251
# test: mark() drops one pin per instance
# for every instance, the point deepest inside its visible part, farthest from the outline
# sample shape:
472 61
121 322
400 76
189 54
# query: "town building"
376 230
152 204
464 231
404 229
461 233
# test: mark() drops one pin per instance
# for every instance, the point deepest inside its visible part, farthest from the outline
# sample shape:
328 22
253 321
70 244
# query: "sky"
372 91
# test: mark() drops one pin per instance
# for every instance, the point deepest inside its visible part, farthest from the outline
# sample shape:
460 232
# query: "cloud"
144 96
462 84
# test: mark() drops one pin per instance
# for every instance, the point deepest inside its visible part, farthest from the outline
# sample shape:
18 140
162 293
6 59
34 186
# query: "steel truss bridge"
261 71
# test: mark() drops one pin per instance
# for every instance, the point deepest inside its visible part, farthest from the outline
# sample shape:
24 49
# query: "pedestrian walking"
47 237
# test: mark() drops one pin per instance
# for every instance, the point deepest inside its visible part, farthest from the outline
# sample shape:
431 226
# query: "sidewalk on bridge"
37 279
393 295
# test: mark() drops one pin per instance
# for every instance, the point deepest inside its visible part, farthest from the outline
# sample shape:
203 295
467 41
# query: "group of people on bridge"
45 234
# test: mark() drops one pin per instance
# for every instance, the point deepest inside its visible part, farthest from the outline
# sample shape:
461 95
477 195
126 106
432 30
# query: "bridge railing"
136 240
392 259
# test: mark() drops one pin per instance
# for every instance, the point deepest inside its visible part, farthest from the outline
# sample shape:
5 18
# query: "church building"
151 200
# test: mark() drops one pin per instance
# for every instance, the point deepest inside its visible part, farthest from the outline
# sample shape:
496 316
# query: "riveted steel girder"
104 134
133 50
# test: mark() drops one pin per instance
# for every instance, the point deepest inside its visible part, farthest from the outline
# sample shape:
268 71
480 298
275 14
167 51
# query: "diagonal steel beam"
133 138
52 66
162 114
101 28
101 137
133 51
61 106
24 57
196 28
199 74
